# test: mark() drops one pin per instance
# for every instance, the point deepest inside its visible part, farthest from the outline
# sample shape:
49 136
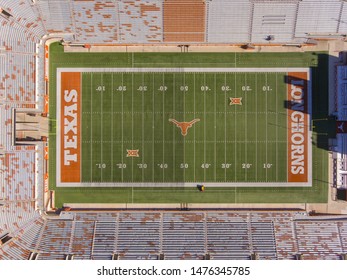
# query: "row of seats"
342 227
285 236
21 30
19 78
15 215
18 170
95 21
56 16
318 239
184 21
20 36
160 21
140 21
228 21
180 235
14 251
320 17
16 38
277 20
6 129
26 14
183 235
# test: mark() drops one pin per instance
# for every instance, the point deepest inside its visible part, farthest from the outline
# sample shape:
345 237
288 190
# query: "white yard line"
102 123
194 125
182 70
256 126
184 140
91 128
173 129
187 184
225 127
143 130
287 127
122 151
215 127
132 125
112 126
246 154
204 126
235 122
189 112
266 137
187 141
153 128
276 131
81 133
163 93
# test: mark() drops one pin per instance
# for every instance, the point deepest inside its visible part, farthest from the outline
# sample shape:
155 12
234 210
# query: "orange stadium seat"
184 21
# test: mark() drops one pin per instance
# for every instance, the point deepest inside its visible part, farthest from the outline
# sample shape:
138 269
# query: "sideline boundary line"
178 70
182 70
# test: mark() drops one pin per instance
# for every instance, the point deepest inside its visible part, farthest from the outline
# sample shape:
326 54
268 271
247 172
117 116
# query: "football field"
183 126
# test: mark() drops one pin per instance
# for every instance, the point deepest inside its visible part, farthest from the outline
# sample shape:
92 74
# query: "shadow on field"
321 123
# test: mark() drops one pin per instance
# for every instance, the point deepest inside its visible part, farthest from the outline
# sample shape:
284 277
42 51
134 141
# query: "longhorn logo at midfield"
184 125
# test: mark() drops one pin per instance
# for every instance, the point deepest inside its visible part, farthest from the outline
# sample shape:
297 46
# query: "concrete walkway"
321 46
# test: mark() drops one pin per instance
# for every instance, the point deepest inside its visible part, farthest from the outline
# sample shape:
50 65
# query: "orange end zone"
298 123
70 136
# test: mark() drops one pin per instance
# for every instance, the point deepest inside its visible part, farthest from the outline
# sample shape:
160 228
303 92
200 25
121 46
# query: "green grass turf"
239 143
316 193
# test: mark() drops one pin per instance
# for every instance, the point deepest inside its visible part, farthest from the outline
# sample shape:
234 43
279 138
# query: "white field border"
183 70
